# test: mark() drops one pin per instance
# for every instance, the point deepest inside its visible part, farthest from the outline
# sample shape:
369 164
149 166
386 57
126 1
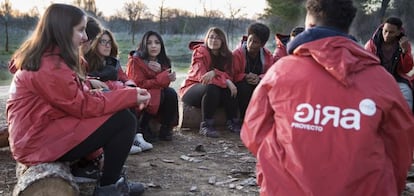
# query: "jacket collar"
315 33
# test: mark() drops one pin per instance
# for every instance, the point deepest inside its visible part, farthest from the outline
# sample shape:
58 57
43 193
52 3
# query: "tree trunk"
45 179
384 6
7 35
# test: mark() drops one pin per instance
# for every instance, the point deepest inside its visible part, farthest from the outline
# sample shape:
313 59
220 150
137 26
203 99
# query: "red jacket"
280 50
239 61
320 123
50 112
405 62
138 71
200 64
120 83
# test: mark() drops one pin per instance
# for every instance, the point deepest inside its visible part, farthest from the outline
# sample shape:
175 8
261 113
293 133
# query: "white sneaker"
135 149
140 142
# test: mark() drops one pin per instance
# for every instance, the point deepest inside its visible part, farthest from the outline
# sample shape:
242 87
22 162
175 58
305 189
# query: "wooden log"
190 116
46 179
4 136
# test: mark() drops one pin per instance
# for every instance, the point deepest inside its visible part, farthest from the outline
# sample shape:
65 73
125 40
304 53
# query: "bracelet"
93 77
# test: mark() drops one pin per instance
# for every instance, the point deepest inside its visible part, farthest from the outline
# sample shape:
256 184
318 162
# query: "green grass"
176 48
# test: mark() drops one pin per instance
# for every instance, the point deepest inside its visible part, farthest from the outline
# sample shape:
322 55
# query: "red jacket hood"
348 56
195 44
301 148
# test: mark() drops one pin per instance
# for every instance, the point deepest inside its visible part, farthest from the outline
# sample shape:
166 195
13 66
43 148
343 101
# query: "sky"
249 8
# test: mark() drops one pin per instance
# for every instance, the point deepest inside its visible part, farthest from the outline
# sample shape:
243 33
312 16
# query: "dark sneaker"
109 190
135 188
121 188
208 131
233 125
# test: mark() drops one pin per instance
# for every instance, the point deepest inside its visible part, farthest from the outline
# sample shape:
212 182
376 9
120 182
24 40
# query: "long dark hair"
55 29
143 49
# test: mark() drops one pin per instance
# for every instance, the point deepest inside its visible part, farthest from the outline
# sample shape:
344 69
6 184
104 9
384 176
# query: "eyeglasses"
214 37
105 42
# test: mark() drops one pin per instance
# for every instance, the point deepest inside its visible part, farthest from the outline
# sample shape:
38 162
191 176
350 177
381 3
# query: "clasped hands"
143 97
252 78
156 67
207 77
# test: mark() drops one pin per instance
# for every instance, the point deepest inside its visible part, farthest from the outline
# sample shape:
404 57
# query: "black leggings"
115 136
209 98
168 110
244 93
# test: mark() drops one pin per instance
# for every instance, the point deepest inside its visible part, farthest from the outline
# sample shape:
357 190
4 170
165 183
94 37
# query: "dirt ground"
189 165
224 169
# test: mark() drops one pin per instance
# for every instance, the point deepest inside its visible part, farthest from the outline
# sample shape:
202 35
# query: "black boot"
165 133
207 128
233 125
120 188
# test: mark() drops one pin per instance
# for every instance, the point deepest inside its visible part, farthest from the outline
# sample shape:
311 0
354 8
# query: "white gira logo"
314 118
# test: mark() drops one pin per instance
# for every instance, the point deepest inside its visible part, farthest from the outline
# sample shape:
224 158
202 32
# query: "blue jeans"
407 93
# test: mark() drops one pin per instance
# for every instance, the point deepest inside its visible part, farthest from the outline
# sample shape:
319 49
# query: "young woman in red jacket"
150 68
54 116
209 82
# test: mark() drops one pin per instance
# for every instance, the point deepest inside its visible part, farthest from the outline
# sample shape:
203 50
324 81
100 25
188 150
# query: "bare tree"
5 16
134 10
89 6
234 13
384 6
376 7
161 17
179 21
404 9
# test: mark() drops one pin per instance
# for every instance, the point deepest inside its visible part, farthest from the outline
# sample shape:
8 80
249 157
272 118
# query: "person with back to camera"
54 116
251 60
209 82
282 40
321 124
150 68
393 48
